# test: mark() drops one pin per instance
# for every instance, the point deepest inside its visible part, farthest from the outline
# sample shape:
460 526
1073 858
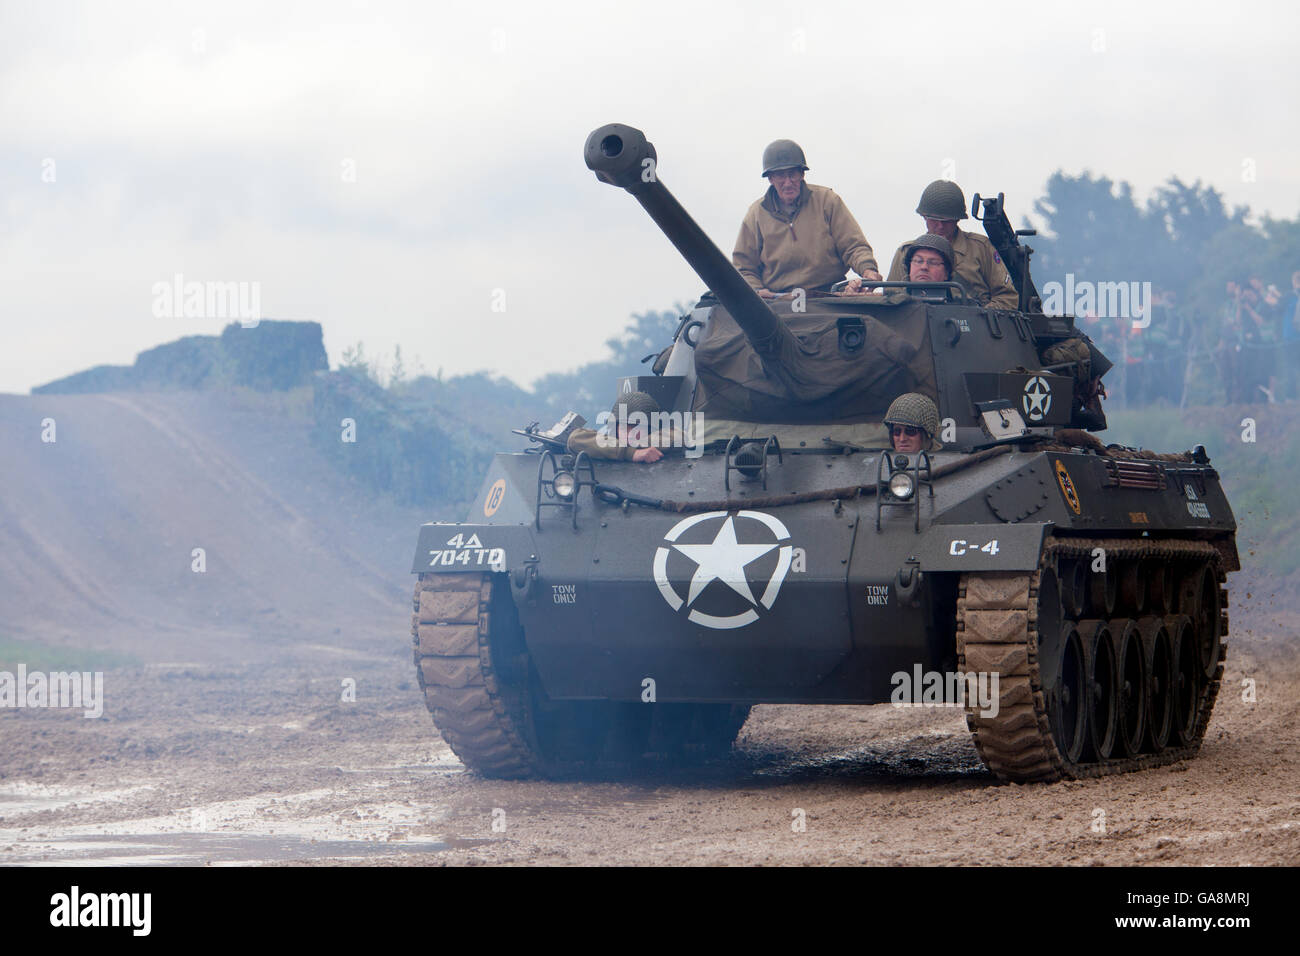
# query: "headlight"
900 485
564 483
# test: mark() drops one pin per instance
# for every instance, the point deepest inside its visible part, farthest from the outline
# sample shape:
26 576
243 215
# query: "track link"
475 714
997 632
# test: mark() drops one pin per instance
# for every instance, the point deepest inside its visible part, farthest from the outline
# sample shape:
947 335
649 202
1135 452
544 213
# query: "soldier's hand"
874 276
853 288
766 293
647 455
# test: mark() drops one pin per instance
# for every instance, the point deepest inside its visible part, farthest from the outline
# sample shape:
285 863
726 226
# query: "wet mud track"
235 764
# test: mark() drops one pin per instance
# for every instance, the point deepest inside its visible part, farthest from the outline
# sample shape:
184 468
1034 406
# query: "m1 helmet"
942 199
635 402
783 154
917 410
930 241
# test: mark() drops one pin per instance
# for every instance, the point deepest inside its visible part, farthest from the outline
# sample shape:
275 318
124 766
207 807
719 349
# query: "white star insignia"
723 560
1038 398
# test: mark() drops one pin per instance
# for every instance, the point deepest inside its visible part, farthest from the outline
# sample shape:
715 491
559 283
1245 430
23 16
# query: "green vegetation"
427 441
47 657
1182 239
397 447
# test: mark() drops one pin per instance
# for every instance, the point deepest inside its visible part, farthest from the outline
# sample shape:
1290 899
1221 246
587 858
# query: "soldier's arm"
598 446
896 271
748 255
850 243
1001 290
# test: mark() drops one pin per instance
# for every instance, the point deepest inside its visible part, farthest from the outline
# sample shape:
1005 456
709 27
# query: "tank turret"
841 359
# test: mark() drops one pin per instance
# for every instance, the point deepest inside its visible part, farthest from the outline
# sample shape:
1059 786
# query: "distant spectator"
1164 356
1228 351
1269 300
1246 351
1291 339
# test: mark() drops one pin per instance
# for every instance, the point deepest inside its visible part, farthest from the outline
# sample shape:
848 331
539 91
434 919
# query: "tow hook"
523 581
908 582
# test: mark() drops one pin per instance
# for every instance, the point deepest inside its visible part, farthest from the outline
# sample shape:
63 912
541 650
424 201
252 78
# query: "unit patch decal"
496 494
734 564
1067 488
1037 400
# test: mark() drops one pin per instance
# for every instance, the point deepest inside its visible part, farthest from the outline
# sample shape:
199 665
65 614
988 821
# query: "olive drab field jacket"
809 250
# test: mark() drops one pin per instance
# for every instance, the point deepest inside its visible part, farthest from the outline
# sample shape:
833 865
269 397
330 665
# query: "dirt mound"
180 526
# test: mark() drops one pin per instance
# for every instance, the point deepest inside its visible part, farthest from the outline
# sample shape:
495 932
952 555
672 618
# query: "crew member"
913 421
625 438
797 235
976 264
928 258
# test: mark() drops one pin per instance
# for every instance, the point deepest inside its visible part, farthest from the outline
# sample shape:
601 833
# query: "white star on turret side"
723 560
1035 394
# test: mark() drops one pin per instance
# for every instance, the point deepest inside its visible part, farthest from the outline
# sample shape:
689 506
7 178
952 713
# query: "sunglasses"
907 430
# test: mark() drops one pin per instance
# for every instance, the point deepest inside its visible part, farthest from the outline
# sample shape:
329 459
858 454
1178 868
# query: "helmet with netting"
634 402
916 410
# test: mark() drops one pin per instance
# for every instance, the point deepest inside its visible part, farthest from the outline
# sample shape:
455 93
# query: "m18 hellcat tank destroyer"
1068 594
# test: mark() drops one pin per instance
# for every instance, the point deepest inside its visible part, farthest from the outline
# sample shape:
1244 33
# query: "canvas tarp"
806 377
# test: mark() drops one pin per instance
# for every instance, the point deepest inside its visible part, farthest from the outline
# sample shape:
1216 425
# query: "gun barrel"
621 156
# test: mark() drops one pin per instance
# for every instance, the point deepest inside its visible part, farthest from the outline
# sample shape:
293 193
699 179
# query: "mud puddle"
202 849
320 824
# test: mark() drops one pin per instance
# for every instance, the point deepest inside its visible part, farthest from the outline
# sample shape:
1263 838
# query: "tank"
1068 595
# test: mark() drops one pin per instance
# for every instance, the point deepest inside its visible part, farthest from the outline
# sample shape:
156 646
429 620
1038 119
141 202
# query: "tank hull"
739 597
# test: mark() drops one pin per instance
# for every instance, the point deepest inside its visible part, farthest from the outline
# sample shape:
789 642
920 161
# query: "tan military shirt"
978 268
813 247
590 441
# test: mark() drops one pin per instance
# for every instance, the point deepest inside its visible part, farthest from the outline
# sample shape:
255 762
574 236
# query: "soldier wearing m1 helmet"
977 265
913 421
928 258
797 235
628 432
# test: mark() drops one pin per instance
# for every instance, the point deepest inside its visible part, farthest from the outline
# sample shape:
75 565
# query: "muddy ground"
220 763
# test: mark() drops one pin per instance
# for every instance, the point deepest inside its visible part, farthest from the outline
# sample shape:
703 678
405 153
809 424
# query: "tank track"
491 723
997 631
450 629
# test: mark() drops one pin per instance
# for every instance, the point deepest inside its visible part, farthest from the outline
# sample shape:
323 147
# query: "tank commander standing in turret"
799 236
975 263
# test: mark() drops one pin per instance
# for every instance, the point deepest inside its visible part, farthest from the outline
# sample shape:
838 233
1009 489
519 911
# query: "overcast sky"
384 168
